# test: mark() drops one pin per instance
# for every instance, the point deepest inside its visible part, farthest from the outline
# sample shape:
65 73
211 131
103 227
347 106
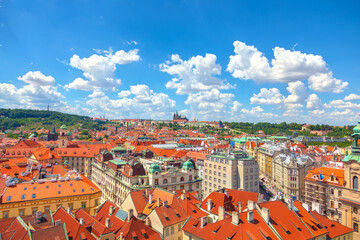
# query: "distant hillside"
35 119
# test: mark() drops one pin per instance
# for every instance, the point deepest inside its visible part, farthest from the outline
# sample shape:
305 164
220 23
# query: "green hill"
36 119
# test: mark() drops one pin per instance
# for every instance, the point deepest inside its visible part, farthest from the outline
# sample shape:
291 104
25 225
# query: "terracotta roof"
27 191
326 173
74 229
225 229
334 229
314 226
286 223
97 228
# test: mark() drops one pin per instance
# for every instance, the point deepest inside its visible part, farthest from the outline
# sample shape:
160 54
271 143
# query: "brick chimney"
235 218
251 205
158 202
226 192
165 203
150 198
265 214
108 223
250 216
239 207
111 210
81 220
203 221
209 205
221 213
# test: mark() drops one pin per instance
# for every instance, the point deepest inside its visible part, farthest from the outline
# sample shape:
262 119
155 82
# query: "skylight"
8 198
23 196
33 196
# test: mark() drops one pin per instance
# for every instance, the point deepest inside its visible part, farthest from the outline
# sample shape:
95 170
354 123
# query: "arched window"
182 179
355 183
165 181
332 191
356 227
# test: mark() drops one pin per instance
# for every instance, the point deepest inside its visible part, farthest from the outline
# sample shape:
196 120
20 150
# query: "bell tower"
63 137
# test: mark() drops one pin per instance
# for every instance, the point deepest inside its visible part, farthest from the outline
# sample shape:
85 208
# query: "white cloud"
254 110
342 105
313 102
196 74
37 79
209 104
144 103
97 94
123 94
99 70
236 107
352 96
298 93
39 92
267 96
286 66
325 82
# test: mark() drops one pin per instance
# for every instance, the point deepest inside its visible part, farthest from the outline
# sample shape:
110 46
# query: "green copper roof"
154 168
351 157
63 127
357 128
187 165
31 136
69 133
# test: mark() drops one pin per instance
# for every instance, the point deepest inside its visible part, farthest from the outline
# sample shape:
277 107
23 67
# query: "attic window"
83 190
71 184
33 196
217 229
144 233
59 192
8 198
176 213
34 188
25 188
47 186
23 196
166 217
134 236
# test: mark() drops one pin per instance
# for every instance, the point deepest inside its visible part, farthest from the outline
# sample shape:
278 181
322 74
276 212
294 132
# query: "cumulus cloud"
194 75
325 82
97 94
139 101
267 96
342 104
286 66
99 70
209 104
37 79
313 102
352 96
298 94
40 91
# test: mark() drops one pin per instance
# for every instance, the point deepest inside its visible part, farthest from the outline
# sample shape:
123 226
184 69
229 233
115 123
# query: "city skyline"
249 61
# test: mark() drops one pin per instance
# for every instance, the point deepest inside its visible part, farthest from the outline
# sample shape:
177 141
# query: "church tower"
63 138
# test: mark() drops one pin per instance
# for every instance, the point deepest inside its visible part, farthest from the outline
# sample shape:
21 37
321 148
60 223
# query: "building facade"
236 170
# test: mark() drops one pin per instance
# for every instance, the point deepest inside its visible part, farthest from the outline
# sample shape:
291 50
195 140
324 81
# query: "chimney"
265 214
239 207
58 222
182 197
250 216
251 205
130 213
81 220
107 223
226 192
69 210
165 203
235 218
184 191
150 198
291 203
203 221
148 221
38 215
111 210
158 202
221 213
209 204
147 192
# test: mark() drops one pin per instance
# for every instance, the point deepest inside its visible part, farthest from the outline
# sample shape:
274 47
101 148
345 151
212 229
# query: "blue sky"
232 60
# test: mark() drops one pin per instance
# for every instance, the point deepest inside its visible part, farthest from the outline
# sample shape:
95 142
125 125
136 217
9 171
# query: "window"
5 214
173 179
224 175
219 174
71 205
34 210
355 210
219 167
210 172
83 204
214 166
181 179
339 205
165 181
332 191
224 182
224 168
172 230
214 172
355 183
47 208
339 193
332 204
356 227
96 202
167 232
179 227
21 212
